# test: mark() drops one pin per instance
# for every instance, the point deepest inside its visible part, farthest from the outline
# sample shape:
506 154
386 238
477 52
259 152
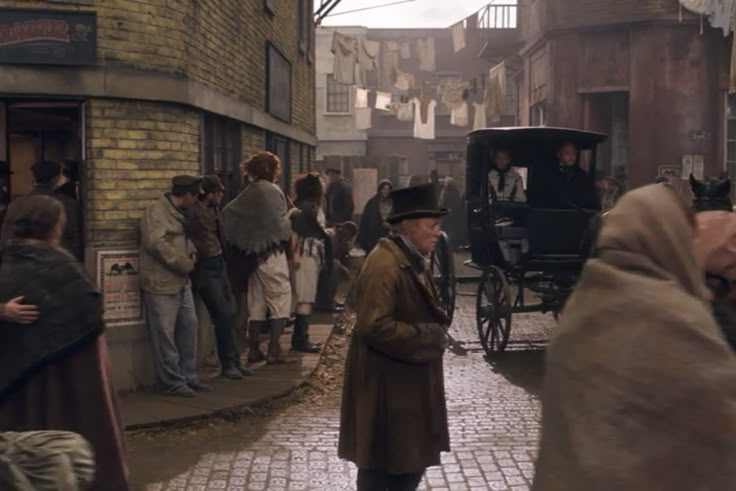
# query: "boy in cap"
167 259
210 280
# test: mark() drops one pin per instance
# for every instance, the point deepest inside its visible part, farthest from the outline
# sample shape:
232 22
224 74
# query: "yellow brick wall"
133 151
221 43
254 141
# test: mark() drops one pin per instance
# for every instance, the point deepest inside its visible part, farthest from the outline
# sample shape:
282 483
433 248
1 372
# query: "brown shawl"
640 387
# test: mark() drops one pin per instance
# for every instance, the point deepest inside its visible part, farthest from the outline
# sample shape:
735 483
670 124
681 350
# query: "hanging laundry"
363 118
426 52
361 98
496 93
346 54
424 130
458 36
721 15
696 6
405 48
479 117
383 101
404 81
405 111
389 64
367 60
471 30
452 95
425 96
459 115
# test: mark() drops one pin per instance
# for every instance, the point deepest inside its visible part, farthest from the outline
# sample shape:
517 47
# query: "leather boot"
300 339
274 344
255 355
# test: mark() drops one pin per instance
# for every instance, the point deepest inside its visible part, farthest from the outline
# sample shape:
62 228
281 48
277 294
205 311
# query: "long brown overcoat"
640 386
394 416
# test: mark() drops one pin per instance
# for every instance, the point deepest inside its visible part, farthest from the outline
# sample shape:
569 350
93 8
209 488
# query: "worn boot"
300 339
254 342
274 344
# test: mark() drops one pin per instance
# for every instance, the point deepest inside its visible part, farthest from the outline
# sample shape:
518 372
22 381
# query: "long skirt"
74 393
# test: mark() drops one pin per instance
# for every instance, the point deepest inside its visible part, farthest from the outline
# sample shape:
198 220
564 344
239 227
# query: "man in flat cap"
210 280
393 422
167 259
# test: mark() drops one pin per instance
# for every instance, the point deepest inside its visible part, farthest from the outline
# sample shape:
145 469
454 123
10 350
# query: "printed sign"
118 281
48 37
670 172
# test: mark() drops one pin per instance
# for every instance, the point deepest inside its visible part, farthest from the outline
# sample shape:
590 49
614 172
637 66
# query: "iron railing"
498 16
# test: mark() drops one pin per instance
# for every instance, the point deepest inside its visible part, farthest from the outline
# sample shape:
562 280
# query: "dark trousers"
327 287
211 283
380 481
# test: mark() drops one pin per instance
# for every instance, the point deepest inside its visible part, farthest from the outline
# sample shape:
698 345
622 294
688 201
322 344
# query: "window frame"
273 55
331 82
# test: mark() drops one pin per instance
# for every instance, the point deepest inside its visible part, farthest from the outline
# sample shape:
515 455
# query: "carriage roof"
518 138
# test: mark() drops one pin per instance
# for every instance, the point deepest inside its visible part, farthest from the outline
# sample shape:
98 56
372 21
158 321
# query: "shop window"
338 97
221 152
278 84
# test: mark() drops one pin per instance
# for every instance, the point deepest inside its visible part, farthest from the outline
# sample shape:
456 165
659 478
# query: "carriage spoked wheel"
442 269
493 311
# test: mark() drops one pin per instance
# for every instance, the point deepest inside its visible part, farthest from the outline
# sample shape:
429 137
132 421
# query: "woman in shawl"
640 386
54 372
373 222
312 252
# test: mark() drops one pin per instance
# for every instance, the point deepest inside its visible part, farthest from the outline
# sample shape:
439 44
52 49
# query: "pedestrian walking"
312 253
339 204
210 280
257 225
167 259
373 226
394 418
640 385
55 371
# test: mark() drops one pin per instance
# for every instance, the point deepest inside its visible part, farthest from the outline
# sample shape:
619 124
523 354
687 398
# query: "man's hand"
16 311
436 333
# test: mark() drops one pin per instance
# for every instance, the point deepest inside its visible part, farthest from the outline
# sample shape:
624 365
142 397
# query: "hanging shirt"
383 101
363 118
404 81
452 94
459 116
346 54
458 36
389 64
479 119
367 60
426 52
361 98
405 111
424 130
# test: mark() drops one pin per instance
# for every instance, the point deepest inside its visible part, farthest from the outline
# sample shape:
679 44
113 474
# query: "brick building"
639 70
139 91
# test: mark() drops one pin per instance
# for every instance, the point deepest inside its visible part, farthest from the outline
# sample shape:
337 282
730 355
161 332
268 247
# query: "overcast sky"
418 13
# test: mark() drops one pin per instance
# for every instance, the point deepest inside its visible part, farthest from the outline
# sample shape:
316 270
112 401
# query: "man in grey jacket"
167 259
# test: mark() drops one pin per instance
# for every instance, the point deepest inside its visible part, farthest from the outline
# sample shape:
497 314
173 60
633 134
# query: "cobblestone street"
494 419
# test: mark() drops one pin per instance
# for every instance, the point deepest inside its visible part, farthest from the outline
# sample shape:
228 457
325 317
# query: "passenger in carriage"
504 183
567 185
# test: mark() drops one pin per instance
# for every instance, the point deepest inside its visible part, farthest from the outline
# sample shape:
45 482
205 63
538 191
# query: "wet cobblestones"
494 428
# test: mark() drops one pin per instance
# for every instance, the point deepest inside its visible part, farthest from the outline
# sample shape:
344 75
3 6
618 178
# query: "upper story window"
306 27
338 97
278 84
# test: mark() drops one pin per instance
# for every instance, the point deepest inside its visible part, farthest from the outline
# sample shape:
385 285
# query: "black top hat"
415 202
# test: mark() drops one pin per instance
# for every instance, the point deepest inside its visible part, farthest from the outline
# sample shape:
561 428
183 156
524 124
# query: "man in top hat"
394 419
338 198
210 280
168 257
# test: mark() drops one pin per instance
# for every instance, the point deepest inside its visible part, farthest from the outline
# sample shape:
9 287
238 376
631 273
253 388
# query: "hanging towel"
479 118
459 115
405 111
383 101
452 94
424 130
458 36
426 52
361 98
404 81
346 53
496 93
363 118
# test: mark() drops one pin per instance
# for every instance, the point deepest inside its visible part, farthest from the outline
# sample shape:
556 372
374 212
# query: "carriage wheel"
442 268
493 311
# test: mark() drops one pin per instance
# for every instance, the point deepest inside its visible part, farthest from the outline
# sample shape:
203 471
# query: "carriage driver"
504 183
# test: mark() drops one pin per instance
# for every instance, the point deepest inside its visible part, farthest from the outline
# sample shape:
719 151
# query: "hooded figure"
373 222
640 386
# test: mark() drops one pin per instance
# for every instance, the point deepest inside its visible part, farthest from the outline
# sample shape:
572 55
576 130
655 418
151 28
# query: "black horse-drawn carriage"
529 255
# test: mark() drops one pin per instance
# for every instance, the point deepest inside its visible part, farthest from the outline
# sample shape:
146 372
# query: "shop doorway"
39 130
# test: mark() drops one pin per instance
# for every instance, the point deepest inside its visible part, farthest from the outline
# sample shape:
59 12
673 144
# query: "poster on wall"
119 284
365 182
